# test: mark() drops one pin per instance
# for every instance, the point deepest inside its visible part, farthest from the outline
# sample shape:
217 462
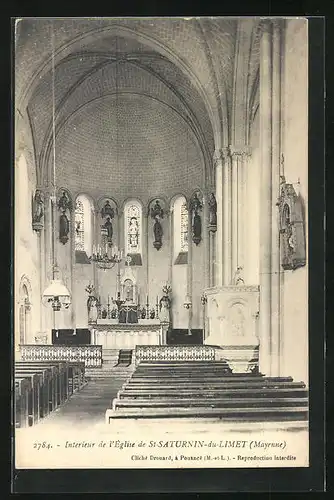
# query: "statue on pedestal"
165 305
37 211
64 204
92 305
107 211
107 226
195 207
238 279
212 212
157 214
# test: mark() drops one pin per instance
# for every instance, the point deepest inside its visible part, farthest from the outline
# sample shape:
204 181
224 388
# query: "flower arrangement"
166 289
89 289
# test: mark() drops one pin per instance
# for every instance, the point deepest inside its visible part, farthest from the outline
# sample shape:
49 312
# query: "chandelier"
106 256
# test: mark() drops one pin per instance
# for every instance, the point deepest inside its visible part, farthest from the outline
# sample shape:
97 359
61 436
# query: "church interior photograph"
161 222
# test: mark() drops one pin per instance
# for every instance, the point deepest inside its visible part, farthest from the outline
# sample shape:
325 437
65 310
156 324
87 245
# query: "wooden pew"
76 371
208 390
51 384
23 401
36 381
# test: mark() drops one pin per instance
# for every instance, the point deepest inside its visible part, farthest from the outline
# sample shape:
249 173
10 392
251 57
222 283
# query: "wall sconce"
187 304
204 299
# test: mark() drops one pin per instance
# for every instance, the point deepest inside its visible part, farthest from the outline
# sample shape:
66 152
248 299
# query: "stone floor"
88 406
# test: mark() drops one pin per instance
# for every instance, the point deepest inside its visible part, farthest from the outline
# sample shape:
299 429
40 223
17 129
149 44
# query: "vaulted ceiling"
166 85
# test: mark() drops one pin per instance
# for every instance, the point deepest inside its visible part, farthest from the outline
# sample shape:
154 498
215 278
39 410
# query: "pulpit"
232 324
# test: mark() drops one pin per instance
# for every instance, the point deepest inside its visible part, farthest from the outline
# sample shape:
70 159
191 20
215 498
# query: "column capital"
241 152
265 25
277 23
220 155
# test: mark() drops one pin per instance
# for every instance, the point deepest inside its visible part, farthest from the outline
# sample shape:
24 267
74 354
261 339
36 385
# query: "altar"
123 323
114 335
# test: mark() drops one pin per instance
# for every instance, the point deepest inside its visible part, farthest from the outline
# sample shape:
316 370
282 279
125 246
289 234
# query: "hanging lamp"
56 293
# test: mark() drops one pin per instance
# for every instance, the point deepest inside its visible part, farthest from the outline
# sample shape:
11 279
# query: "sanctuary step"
206 389
124 357
110 356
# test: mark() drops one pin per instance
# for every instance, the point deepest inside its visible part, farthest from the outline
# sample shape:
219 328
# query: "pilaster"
265 326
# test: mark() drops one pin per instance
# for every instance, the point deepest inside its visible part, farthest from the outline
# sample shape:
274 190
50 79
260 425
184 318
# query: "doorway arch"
24 310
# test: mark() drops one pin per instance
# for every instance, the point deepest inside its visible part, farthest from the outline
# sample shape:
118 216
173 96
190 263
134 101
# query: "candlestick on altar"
147 307
108 307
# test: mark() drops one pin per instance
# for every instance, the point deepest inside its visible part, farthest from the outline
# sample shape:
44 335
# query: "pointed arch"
84 210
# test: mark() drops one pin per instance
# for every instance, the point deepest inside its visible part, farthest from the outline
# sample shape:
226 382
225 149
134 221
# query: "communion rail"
91 355
149 353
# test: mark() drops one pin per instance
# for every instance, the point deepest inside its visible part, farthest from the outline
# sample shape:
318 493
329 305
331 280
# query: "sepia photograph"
161 274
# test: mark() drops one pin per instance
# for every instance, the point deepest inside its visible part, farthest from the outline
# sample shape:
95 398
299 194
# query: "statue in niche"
157 214
292 234
64 228
107 226
128 291
107 211
64 204
195 207
212 210
37 210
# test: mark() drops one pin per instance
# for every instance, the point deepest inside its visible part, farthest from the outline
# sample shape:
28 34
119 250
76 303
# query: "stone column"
240 156
145 251
206 242
190 263
72 266
234 212
47 311
96 241
275 181
227 210
43 278
171 244
212 246
218 161
121 244
266 198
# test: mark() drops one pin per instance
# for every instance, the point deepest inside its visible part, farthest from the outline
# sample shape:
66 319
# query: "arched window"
133 231
83 227
180 215
184 228
24 311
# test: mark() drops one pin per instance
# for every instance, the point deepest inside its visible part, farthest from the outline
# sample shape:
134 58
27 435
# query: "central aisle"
88 406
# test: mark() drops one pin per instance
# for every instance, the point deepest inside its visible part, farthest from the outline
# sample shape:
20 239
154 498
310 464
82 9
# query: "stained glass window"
133 215
79 226
184 228
83 224
180 222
